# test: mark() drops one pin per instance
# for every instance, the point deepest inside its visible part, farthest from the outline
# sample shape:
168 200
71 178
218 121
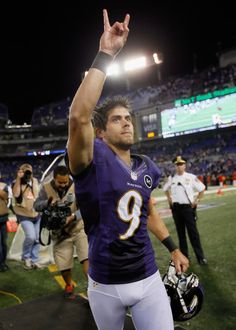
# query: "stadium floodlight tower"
133 65
158 60
125 68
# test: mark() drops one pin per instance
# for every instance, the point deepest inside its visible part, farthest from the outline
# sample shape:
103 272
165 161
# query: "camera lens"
27 177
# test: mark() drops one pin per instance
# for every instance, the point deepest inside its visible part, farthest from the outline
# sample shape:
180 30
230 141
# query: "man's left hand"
180 261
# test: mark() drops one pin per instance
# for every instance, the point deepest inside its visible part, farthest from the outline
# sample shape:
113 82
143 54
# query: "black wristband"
102 61
169 244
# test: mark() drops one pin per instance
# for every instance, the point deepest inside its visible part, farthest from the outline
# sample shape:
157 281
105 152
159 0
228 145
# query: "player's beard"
120 143
124 145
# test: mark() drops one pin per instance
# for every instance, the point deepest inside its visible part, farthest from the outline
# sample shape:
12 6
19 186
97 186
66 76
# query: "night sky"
45 48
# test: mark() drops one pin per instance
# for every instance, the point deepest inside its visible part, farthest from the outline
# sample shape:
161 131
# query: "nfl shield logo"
134 176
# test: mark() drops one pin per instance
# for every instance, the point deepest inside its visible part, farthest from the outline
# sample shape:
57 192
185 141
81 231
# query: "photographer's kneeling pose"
56 197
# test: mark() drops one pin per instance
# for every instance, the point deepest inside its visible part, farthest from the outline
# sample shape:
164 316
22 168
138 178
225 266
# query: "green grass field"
217 226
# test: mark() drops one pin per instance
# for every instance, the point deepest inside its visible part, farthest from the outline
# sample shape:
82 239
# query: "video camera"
27 177
54 215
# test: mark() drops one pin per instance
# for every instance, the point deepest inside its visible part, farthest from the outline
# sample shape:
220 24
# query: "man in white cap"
180 190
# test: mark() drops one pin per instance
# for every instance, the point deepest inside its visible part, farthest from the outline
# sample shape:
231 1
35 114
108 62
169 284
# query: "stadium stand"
167 91
211 152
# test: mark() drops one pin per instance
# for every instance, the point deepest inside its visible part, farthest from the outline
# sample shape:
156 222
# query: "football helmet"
185 293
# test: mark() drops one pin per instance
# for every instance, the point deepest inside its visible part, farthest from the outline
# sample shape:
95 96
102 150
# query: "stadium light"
138 63
135 64
158 59
141 62
113 70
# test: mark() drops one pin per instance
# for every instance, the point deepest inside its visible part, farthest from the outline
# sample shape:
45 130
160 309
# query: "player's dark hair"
101 112
60 170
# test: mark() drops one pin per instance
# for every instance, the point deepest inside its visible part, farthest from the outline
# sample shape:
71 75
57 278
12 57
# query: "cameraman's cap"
25 167
179 160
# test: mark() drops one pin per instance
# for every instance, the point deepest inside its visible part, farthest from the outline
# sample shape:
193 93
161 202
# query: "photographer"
54 198
25 191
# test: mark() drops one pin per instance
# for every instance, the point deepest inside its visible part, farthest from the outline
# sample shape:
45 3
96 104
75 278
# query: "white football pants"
147 301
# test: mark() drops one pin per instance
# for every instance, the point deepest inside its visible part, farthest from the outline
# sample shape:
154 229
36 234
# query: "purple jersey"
113 201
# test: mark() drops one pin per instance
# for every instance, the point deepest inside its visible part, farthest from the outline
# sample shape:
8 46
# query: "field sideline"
217 227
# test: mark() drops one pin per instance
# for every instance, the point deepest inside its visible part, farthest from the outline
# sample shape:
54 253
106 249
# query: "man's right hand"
114 37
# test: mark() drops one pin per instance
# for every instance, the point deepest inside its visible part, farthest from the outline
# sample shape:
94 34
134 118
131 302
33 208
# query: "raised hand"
114 37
